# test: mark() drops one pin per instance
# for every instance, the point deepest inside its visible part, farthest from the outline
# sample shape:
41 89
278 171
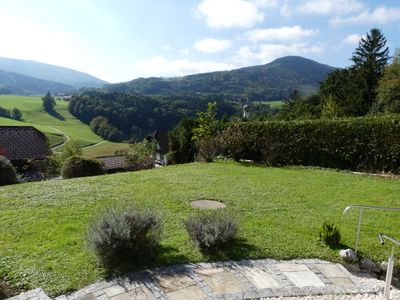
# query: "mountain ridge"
49 72
272 81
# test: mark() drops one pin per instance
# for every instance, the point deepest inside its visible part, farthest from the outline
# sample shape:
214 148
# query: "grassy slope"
105 148
42 225
33 114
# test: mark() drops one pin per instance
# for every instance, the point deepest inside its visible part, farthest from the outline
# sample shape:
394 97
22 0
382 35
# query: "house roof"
162 139
113 162
22 142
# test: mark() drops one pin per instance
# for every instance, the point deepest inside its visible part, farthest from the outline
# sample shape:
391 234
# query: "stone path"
246 279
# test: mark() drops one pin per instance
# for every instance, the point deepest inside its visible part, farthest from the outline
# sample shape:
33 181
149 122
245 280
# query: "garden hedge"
366 144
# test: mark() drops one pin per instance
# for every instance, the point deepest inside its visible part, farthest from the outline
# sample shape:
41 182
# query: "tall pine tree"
370 58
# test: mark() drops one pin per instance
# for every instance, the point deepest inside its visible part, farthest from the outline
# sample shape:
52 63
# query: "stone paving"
246 279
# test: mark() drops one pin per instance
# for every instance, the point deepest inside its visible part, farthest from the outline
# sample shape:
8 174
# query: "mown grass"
105 148
34 115
272 104
279 210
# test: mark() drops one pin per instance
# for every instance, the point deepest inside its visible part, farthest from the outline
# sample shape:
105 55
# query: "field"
272 104
54 126
279 210
105 148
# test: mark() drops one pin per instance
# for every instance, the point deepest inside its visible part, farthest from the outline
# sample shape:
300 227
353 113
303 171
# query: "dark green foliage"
367 144
300 107
48 102
137 115
370 58
80 166
7 172
181 145
346 86
330 235
273 81
103 128
121 238
389 88
16 114
211 231
4 113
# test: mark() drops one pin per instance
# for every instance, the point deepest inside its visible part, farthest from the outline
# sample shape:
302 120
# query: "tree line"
371 85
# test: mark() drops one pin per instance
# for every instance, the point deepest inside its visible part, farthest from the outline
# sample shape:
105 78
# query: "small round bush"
211 231
330 235
121 238
8 174
80 166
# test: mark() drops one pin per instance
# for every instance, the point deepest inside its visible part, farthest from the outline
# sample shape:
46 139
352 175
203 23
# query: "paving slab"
330 270
173 282
192 292
141 293
88 297
342 281
221 281
292 267
114 290
260 278
304 279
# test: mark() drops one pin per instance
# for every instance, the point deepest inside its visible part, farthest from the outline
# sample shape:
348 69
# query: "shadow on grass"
6 291
55 114
163 255
236 250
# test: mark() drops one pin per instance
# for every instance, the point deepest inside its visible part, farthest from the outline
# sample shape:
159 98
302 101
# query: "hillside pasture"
280 211
34 115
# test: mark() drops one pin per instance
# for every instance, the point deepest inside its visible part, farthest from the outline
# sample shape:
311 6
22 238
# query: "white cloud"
280 34
160 66
232 13
352 39
380 15
266 53
212 45
330 7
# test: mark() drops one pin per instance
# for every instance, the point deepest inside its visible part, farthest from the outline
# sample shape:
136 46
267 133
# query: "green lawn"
280 211
272 104
34 115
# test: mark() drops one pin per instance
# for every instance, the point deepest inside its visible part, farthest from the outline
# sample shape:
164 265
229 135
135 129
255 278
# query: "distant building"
114 163
246 109
160 138
19 143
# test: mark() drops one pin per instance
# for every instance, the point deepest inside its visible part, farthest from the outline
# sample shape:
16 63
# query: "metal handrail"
361 207
390 266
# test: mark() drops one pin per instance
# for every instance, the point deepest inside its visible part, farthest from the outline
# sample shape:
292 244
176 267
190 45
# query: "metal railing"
390 266
360 208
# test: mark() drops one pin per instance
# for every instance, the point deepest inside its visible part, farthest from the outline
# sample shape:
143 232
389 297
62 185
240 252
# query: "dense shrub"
366 144
330 235
8 174
125 237
80 166
207 149
211 231
141 156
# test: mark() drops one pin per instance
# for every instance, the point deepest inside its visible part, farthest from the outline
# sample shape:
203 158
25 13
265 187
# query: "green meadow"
279 211
54 126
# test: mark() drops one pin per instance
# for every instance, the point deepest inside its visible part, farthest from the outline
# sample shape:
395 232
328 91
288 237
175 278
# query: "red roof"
22 142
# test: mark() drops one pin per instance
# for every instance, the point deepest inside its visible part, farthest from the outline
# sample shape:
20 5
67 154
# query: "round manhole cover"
207 204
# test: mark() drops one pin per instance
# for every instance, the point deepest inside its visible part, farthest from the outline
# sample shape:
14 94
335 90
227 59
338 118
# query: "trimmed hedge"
367 144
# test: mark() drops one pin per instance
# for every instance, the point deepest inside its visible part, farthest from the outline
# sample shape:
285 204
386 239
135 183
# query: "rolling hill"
49 72
273 81
56 127
15 83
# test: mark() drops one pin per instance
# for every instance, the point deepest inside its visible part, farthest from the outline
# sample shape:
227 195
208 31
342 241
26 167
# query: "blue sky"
119 40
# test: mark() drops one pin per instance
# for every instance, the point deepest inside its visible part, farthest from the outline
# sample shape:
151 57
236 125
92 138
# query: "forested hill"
273 81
